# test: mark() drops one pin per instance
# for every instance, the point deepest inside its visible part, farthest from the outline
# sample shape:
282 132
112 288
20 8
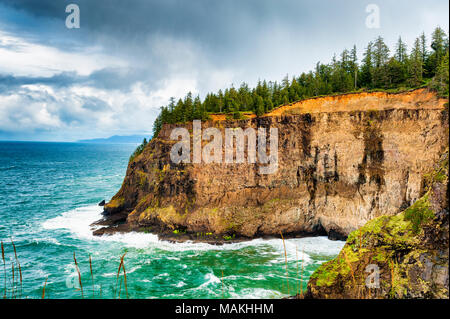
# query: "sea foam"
78 222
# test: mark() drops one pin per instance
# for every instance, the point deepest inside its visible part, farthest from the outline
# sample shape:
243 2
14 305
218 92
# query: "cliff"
401 256
343 160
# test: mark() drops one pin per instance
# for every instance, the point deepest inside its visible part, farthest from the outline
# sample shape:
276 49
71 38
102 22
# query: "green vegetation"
202 234
116 202
139 150
227 237
419 213
378 71
146 230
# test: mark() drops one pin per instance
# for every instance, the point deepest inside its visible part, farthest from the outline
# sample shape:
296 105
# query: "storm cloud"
129 57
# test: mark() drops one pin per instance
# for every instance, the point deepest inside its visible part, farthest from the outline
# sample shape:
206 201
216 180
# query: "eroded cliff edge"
343 160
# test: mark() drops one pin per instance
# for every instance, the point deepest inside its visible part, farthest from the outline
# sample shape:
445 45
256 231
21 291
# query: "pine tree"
440 82
157 125
439 43
268 105
188 106
367 67
401 51
380 59
171 104
293 91
424 52
341 79
197 109
416 64
220 102
354 67
180 114
259 106
398 65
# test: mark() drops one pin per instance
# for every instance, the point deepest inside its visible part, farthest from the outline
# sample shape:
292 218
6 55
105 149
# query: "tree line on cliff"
380 68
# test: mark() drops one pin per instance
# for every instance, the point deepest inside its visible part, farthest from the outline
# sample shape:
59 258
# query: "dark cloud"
38 8
228 33
59 80
118 78
198 18
108 78
95 104
173 46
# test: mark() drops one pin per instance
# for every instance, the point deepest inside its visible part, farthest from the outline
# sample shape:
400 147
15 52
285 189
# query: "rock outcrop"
343 160
401 256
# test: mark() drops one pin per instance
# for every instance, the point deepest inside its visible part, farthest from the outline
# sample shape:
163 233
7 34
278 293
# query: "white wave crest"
78 222
257 293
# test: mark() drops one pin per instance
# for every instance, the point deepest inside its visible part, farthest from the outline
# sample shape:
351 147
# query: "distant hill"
130 139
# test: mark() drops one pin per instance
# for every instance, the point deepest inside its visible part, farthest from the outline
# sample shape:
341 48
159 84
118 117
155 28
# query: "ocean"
48 198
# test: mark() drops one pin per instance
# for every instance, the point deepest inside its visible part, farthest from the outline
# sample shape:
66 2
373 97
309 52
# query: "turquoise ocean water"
48 198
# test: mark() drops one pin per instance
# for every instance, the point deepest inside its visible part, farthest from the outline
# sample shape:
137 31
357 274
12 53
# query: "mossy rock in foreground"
401 256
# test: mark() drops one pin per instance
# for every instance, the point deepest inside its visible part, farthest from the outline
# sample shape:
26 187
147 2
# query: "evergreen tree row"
380 68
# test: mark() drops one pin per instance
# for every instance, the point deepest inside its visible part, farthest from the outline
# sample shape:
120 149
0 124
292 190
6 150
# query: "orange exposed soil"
415 99
223 117
363 101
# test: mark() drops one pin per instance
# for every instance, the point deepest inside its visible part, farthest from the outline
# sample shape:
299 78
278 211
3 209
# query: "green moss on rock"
419 213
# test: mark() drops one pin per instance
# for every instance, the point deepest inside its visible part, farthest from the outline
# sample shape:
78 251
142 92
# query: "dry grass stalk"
285 257
351 272
43 289
79 275
92 276
21 281
221 279
391 265
117 280
360 241
118 275
13 284
296 257
19 267
4 267
120 287
349 266
125 280
301 280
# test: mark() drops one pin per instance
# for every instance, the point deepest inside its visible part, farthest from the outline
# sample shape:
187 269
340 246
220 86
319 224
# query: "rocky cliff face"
401 256
343 161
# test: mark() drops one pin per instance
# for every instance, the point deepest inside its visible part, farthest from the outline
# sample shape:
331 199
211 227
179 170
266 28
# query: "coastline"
114 225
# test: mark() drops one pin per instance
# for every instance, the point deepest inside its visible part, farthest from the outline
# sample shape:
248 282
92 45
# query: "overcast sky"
128 58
